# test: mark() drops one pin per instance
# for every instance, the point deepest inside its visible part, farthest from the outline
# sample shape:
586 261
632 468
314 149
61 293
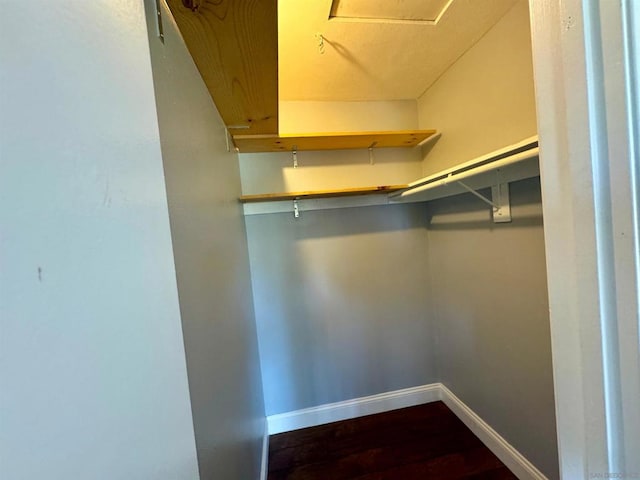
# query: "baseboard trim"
264 461
514 460
408 397
358 407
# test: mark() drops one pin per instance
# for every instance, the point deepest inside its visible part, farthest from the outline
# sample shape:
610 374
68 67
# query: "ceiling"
375 49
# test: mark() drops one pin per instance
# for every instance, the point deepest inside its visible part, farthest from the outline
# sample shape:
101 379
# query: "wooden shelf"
330 141
344 192
234 44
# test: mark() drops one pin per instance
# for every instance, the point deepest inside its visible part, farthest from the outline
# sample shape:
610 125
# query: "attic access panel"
384 11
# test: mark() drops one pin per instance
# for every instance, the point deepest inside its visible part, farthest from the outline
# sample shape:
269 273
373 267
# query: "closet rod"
450 178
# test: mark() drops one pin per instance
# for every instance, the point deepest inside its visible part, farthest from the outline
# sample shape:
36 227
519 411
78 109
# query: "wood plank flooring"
423 442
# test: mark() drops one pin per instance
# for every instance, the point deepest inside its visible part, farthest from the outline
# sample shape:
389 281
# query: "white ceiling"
375 59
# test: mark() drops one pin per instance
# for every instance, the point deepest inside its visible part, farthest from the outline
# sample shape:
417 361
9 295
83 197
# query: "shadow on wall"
331 325
319 170
491 314
347 222
465 212
342 296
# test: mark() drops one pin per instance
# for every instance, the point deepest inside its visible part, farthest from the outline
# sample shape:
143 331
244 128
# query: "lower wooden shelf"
343 192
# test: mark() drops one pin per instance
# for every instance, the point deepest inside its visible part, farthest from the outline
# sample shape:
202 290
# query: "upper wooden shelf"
330 141
234 44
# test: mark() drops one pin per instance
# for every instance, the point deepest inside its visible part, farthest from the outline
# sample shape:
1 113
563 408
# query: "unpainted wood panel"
340 192
330 141
234 44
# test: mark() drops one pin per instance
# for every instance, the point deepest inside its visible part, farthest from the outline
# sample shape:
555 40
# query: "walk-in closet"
379 266
223 221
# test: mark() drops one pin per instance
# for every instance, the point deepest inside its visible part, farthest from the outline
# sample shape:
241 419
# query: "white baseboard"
514 460
408 397
264 462
358 407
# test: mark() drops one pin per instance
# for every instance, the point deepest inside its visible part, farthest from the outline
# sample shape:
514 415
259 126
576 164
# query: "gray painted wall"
489 281
489 298
212 264
341 302
92 367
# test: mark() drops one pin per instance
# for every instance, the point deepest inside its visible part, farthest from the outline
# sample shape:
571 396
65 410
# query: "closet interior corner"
409 248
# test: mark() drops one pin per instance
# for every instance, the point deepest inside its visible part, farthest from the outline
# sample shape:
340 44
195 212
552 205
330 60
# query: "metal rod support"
437 180
371 152
159 21
479 195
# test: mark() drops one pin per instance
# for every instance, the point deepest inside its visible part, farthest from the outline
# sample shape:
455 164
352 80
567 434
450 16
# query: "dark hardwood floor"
423 442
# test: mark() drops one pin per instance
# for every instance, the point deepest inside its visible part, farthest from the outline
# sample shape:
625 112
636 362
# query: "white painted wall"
486 99
587 68
311 117
321 170
92 366
212 264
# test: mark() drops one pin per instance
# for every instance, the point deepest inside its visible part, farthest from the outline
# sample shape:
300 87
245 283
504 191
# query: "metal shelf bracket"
371 152
296 210
500 194
499 200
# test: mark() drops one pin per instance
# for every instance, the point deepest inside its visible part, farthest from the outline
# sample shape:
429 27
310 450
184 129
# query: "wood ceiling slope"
234 44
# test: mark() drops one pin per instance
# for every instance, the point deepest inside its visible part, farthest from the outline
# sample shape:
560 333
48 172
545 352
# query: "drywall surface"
489 296
311 117
372 60
274 172
341 300
92 366
489 280
212 264
485 100
332 325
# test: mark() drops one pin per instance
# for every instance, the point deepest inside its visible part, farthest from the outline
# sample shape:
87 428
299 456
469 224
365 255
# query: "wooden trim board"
358 407
343 192
512 458
264 460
